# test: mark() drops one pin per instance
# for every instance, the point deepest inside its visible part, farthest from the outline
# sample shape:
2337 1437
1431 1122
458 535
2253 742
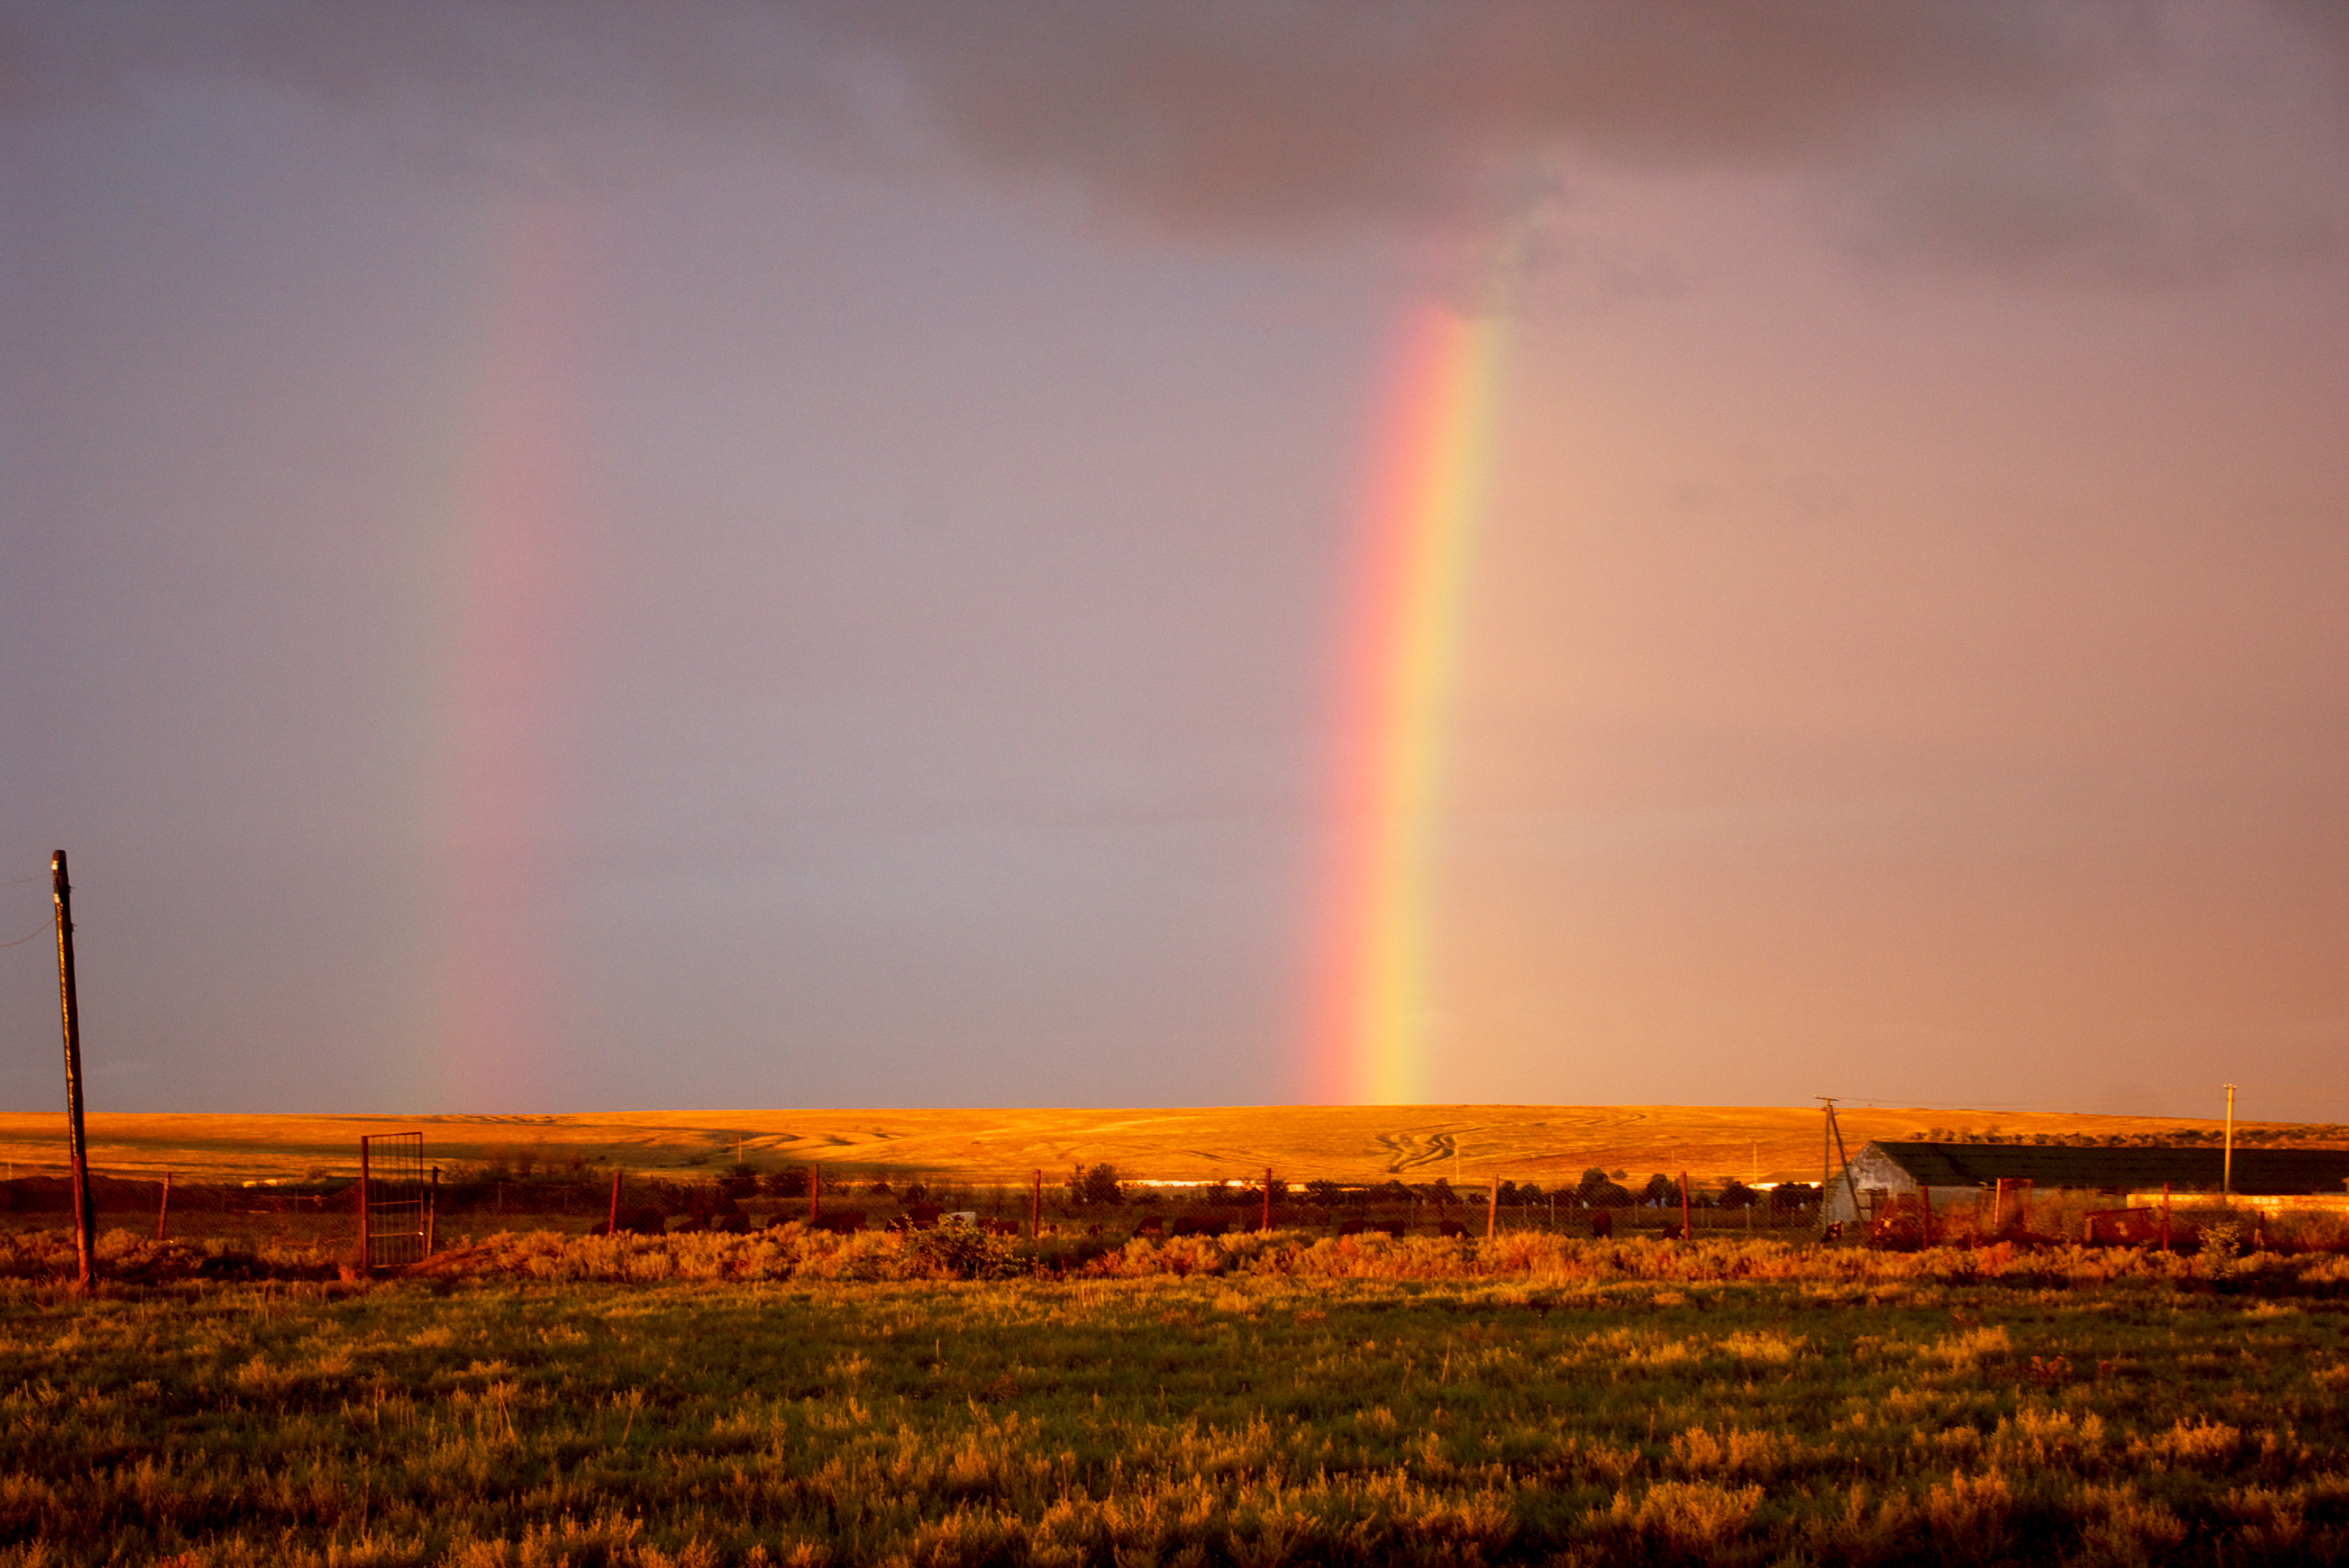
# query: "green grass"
1556 1403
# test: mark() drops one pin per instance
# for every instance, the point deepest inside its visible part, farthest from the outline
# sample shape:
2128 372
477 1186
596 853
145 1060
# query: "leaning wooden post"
163 1209
2165 1216
815 1194
612 1227
1686 1235
1266 1226
367 1237
1493 1208
1036 1208
77 1140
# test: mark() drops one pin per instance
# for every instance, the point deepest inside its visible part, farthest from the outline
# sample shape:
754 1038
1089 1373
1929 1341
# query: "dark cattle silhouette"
1352 1227
1392 1227
1450 1228
1196 1225
641 1222
839 1221
1602 1222
1155 1225
999 1227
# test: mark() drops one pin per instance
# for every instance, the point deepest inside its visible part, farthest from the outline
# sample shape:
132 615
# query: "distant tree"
1661 1192
791 1181
1322 1192
1594 1176
1279 1186
879 1188
740 1182
1736 1194
1440 1193
1792 1195
1098 1185
1394 1192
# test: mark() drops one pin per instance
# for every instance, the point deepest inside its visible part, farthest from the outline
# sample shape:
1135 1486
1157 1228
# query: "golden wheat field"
1342 1143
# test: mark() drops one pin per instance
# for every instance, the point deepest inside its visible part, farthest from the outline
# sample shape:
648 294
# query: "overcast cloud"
2104 141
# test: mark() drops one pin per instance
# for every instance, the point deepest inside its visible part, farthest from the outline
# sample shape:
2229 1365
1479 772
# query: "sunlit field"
947 1398
1344 1144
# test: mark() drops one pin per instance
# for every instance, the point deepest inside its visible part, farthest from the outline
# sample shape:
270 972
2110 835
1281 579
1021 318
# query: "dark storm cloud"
2104 140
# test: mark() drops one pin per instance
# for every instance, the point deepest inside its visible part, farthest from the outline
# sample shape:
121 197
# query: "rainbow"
1433 448
506 517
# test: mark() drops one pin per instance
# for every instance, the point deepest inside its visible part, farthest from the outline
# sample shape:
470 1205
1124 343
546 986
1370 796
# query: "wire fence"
404 1204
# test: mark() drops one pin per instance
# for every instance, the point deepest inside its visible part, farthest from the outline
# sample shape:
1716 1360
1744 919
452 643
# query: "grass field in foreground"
1544 1143
1594 1405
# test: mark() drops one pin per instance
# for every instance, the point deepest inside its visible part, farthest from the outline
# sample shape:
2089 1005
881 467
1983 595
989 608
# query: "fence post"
612 1228
1036 1208
1266 1226
815 1194
367 1234
163 1208
2165 1216
1687 1234
1492 1207
432 1215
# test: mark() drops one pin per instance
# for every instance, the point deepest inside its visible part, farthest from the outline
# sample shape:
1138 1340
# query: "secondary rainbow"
506 521
1434 451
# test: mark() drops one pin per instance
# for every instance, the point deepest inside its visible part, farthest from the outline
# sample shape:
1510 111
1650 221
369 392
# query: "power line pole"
2226 1169
84 1214
1831 1144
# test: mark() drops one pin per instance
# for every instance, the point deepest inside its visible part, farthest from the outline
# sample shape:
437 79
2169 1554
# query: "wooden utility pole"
1036 1208
77 1140
1826 1159
2226 1178
1832 1145
1491 1207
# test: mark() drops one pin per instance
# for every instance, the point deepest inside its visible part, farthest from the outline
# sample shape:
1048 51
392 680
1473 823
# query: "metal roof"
2258 1171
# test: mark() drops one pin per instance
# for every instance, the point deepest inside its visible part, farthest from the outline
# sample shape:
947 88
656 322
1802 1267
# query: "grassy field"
712 1399
1344 1143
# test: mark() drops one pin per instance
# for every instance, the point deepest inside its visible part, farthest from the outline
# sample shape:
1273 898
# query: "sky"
560 557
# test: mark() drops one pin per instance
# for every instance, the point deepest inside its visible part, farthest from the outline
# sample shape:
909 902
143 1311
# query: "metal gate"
393 1211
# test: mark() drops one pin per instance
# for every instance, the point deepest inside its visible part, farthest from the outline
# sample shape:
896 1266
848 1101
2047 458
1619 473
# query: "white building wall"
1873 1171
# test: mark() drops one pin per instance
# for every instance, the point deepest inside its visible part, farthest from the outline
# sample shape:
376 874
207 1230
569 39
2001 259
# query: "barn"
1956 1173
